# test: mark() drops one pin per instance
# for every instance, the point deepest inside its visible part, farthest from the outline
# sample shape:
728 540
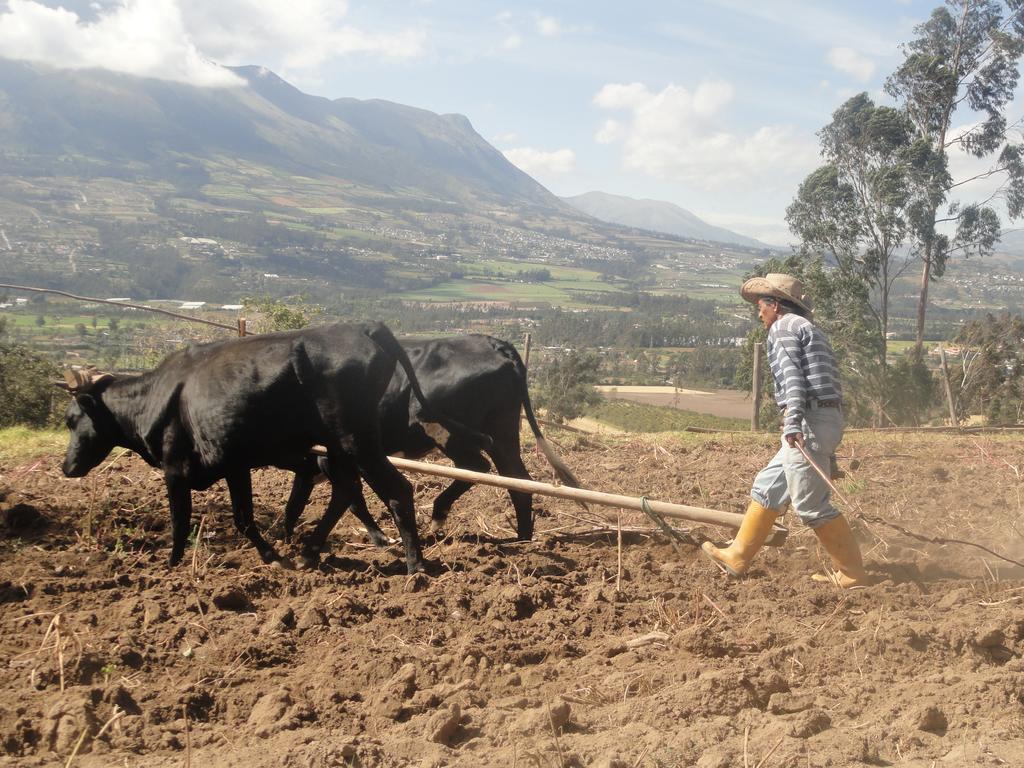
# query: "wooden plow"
656 510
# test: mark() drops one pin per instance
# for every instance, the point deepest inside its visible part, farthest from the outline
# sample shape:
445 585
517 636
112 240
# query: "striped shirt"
803 367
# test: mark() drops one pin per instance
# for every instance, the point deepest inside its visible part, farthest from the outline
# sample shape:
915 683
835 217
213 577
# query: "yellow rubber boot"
837 539
735 559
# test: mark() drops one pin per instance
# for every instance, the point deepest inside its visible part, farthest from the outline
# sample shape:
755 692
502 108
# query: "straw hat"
778 285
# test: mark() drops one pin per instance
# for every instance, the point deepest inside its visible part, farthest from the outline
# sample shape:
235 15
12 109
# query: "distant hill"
118 119
655 215
1011 244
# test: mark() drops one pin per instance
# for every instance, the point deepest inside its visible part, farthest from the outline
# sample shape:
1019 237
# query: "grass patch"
640 417
17 443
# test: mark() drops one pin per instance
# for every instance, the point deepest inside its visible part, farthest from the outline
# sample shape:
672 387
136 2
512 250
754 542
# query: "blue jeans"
789 478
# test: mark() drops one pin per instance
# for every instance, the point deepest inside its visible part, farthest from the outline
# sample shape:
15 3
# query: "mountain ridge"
656 216
116 118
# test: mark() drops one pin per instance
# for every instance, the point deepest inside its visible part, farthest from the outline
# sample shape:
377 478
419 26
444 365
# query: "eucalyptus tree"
855 208
965 55
855 211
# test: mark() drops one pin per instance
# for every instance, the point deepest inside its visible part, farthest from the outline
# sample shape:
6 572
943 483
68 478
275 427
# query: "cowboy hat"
778 285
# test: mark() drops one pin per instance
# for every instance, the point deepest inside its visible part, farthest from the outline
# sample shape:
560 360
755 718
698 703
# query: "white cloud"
711 96
851 62
622 96
548 26
537 162
512 42
175 39
680 136
300 34
610 132
137 37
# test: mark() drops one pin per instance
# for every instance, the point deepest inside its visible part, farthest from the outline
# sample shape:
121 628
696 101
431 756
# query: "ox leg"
344 481
396 493
509 463
240 488
377 536
469 459
179 496
302 488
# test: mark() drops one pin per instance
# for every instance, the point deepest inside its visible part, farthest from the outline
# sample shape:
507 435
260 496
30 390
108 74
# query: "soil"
727 403
505 654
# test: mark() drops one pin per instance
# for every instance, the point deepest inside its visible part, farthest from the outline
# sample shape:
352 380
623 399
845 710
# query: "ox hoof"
270 557
413 568
380 540
308 561
283 564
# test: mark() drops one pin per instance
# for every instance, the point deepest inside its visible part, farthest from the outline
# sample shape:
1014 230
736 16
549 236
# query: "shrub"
26 388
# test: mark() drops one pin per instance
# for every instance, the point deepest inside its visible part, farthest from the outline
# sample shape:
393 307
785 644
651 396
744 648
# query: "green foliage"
533 275
705 366
988 378
26 388
565 387
17 443
912 392
641 417
278 315
856 208
964 54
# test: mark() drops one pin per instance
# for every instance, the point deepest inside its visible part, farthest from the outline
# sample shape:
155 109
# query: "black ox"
218 410
481 381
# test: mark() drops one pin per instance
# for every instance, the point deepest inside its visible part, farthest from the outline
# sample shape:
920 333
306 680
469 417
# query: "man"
807 390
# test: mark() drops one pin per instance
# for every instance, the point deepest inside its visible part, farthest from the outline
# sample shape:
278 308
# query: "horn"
98 377
78 379
75 378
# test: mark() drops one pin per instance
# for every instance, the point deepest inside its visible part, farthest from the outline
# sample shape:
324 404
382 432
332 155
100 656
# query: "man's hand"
795 439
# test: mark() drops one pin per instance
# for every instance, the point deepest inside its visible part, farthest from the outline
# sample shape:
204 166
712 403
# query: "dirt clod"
232 599
443 724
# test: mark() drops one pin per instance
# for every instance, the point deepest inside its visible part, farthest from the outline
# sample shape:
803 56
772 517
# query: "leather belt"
824 404
815 404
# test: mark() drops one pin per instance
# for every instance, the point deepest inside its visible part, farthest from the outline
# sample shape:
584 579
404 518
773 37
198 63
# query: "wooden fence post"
756 393
241 326
526 365
949 390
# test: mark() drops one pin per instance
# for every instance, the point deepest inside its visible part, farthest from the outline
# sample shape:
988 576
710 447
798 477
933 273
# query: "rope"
673 535
858 513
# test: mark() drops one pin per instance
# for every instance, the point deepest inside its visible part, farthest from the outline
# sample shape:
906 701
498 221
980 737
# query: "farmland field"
548 653
728 403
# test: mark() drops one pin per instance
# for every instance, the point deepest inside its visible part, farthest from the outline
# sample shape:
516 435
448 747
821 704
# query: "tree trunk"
922 304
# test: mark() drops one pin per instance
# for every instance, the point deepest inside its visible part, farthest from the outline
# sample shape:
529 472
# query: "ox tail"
386 340
563 471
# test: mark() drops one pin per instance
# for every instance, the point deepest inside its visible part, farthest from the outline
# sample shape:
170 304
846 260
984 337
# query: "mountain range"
656 216
117 119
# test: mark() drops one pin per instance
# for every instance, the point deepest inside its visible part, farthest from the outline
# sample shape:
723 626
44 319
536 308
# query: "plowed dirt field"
505 654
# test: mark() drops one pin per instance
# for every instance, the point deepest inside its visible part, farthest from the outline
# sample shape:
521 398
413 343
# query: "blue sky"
709 104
